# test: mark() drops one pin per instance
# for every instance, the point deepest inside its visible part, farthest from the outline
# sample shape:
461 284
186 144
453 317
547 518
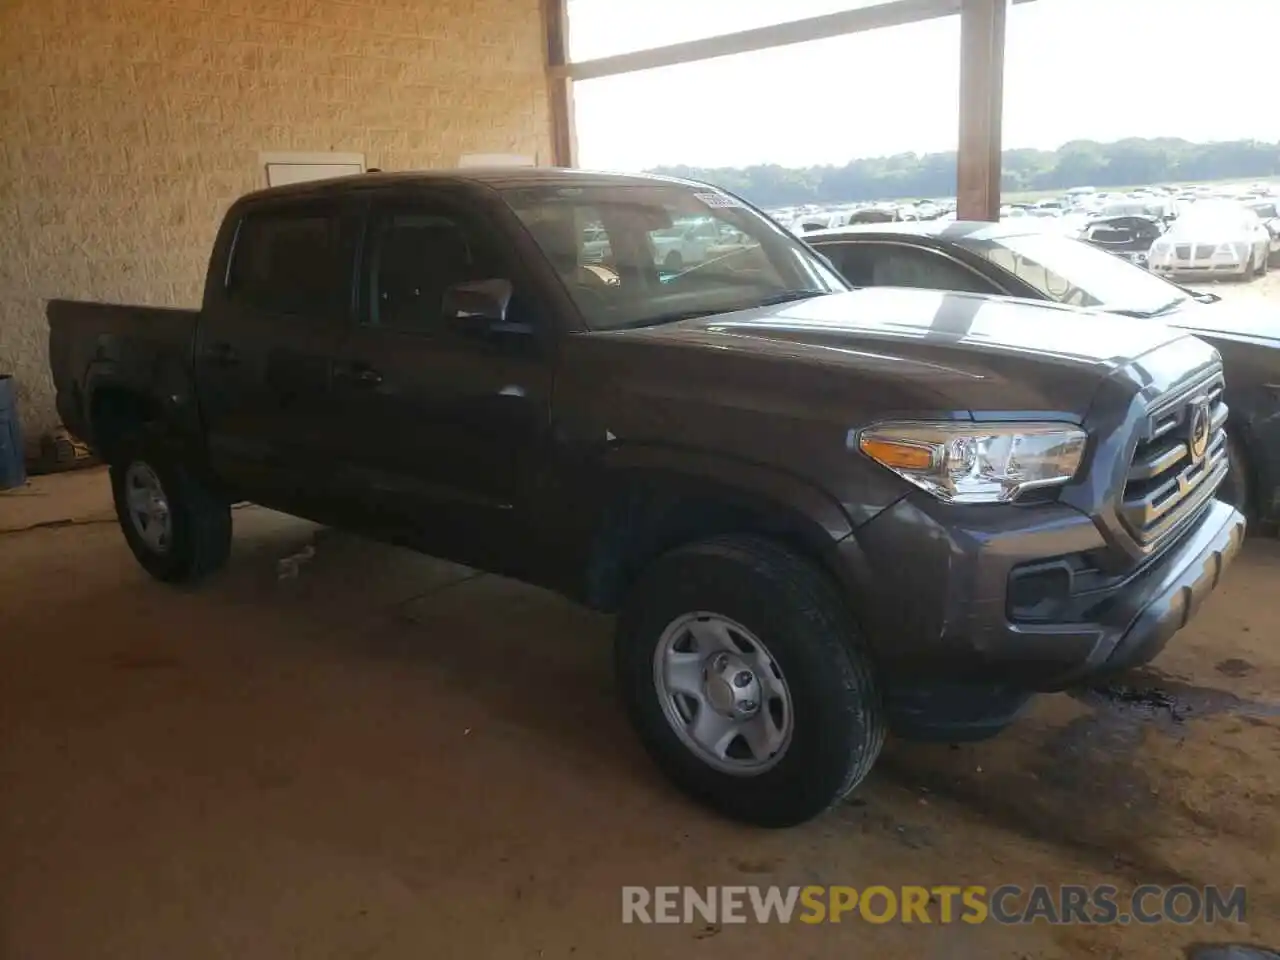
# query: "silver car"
1211 240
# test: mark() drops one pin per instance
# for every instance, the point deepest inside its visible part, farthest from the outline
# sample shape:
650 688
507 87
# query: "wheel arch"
115 409
659 499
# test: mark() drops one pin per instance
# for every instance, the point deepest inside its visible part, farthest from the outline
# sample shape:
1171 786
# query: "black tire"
674 261
1237 488
838 718
200 521
1264 265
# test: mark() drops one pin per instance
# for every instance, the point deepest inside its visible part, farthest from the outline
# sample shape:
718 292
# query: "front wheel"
176 528
674 261
747 681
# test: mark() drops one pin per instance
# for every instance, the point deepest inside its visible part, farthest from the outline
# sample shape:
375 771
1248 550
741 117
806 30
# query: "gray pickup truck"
819 513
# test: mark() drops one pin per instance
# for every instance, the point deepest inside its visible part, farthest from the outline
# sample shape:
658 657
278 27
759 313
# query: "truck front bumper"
947 600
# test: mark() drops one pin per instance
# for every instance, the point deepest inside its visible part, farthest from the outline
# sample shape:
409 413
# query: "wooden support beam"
891 13
978 162
564 138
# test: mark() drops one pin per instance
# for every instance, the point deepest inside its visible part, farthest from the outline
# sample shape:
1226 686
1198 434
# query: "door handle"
222 354
359 375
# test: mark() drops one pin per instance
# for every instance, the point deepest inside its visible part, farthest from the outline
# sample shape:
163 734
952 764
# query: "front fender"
654 498
750 484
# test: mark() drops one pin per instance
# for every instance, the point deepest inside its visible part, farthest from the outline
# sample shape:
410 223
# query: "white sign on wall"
283 168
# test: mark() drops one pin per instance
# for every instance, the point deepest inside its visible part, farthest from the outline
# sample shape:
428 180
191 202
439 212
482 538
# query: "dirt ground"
1264 288
338 749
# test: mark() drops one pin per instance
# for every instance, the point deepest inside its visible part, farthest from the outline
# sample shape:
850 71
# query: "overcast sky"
1095 69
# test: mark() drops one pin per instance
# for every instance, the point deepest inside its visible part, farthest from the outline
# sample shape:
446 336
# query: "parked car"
874 215
1007 259
808 223
1211 240
1268 211
1127 236
595 244
1146 205
817 513
688 243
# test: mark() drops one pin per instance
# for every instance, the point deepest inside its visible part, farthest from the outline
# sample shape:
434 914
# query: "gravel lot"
1263 288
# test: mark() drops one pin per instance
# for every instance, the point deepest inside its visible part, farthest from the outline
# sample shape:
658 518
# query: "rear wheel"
674 261
177 529
747 680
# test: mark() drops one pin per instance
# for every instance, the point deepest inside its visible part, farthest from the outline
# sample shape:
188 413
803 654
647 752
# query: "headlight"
976 462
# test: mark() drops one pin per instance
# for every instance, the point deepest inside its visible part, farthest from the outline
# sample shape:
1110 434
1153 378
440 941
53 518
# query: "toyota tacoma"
820 514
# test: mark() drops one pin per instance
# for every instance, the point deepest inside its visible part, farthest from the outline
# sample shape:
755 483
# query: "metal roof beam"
892 13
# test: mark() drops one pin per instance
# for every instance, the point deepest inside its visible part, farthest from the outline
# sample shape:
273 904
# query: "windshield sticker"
718 201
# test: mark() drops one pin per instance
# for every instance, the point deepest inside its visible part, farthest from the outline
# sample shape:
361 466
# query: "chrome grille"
1182 251
1204 251
1166 482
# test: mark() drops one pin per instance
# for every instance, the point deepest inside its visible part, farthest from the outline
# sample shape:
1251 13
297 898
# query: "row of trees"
1078 163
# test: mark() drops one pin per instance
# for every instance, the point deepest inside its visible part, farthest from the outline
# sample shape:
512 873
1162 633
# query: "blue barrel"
13 472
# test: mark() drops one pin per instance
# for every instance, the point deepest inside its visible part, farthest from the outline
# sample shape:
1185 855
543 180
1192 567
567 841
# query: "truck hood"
1235 320
955 352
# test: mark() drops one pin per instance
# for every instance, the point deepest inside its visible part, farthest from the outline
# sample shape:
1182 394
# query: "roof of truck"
496 177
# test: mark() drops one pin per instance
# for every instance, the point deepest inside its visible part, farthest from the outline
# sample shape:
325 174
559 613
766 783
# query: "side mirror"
484 301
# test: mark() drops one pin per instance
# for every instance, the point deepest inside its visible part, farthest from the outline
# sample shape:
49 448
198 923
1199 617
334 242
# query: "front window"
1072 272
1227 220
635 255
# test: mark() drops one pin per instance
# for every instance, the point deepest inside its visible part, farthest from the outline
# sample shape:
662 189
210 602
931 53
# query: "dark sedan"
1021 261
1129 237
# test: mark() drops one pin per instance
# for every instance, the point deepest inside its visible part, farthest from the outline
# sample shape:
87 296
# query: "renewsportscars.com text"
1005 904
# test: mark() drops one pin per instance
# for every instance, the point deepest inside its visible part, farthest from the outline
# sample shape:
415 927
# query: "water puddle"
1095 761
1151 695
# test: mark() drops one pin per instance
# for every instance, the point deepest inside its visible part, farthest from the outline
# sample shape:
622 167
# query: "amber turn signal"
896 455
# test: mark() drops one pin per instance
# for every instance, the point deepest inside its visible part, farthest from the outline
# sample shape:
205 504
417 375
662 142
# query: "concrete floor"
366 753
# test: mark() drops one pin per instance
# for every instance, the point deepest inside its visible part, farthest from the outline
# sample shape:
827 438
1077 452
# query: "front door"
446 417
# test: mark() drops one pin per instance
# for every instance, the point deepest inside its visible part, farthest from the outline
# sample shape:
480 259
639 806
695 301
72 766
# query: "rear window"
292 261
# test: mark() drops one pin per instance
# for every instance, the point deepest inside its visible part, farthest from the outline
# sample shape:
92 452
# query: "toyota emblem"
1198 429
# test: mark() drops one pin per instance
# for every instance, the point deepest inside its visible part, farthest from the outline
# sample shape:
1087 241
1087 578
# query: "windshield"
1200 217
631 255
1073 272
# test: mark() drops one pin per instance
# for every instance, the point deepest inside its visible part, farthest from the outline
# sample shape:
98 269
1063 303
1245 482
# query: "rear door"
265 346
445 418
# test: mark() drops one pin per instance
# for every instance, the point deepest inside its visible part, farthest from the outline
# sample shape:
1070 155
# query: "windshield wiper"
1148 314
675 316
788 296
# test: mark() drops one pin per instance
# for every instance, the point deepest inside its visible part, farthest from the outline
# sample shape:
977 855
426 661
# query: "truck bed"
146 349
